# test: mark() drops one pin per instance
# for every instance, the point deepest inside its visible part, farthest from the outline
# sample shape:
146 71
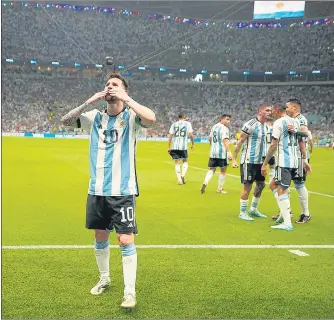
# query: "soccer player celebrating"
295 106
219 153
252 139
113 183
285 140
178 146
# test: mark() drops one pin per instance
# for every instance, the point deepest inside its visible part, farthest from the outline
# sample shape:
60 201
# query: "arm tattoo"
236 150
270 153
70 118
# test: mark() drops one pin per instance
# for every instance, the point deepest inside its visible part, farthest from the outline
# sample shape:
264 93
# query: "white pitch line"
234 176
181 246
299 253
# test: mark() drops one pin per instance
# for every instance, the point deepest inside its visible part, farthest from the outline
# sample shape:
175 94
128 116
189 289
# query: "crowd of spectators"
89 36
35 102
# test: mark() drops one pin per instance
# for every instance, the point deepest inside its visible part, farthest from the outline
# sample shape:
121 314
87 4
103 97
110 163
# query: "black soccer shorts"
216 162
250 172
179 154
283 176
109 213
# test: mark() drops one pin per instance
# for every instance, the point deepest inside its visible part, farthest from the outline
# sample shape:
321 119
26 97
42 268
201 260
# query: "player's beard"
110 99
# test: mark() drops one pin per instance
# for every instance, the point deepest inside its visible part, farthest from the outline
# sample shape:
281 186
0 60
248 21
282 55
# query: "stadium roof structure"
220 10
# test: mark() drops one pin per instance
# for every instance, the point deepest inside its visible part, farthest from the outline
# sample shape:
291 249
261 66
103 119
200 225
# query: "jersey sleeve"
226 134
211 133
171 130
303 121
86 119
310 135
190 128
139 123
248 127
277 130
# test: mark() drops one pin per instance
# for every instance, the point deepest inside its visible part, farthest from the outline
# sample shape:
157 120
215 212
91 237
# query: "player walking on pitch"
178 146
286 140
113 183
219 152
252 139
295 106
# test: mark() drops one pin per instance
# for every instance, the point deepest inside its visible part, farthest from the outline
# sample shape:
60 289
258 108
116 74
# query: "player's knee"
125 239
246 190
247 187
101 235
299 185
260 184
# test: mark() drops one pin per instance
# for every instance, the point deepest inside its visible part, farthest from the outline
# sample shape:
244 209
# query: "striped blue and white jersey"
267 140
180 131
112 152
218 134
253 147
287 142
303 122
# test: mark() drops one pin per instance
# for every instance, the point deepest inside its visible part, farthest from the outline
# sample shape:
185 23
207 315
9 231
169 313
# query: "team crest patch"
122 123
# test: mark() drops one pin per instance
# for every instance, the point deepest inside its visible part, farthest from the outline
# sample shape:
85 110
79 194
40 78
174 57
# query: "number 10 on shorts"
127 215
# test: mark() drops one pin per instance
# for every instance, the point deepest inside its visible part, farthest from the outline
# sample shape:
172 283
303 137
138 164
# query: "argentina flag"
278 9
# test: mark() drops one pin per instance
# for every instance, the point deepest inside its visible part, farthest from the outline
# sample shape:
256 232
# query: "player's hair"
279 104
295 101
118 76
263 106
182 115
225 115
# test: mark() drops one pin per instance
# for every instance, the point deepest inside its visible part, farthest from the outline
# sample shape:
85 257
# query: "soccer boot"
303 219
256 213
245 216
101 286
283 226
129 301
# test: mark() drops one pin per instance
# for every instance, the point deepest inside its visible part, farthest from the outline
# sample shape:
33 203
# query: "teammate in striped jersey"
285 139
219 152
178 146
113 182
305 216
252 140
267 142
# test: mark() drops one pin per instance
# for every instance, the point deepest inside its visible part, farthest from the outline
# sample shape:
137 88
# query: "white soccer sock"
271 174
255 202
129 260
178 171
208 177
289 192
303 198
102 254
284 206
184 168
275 193
221 181
243 206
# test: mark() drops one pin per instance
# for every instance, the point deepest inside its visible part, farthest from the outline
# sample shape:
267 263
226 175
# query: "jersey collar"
114 116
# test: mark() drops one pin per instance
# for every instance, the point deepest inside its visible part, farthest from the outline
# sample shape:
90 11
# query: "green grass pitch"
44 189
